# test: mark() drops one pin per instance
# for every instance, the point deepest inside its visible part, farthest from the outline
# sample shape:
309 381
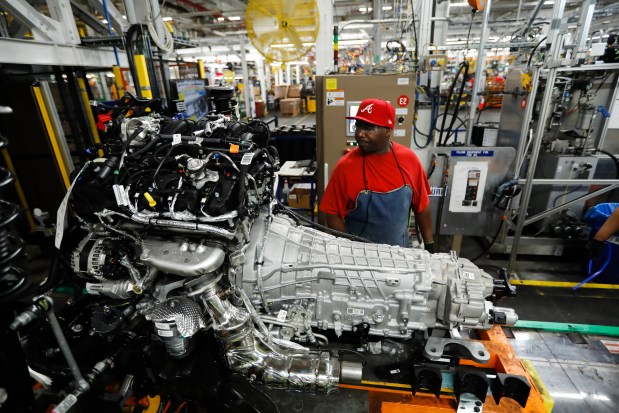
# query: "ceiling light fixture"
387 8
220 19
549 2
167 19
234 18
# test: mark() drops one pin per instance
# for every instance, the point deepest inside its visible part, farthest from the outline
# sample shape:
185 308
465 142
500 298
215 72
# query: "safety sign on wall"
335 98
467 189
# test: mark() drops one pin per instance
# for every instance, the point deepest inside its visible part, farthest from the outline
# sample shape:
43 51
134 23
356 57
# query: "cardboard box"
294 91
290 107
281 91
300 196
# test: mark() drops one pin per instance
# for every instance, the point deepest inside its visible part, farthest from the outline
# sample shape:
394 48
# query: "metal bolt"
77 328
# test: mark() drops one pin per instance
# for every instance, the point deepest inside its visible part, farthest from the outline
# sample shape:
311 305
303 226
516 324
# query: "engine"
177 234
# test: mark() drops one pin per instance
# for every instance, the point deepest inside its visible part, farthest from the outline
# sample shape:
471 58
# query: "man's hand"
429 246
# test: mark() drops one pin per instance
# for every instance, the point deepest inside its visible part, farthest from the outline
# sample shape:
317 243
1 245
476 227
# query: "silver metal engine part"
182 257
344 283
176 321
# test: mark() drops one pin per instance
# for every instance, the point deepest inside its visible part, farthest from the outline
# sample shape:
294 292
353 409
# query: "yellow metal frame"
201 71
51 136
142 73
86 103
118 81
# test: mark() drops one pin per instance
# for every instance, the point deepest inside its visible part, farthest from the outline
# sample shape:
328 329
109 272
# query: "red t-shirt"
382 175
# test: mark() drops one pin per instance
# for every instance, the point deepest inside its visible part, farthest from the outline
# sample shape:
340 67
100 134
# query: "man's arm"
424 220
335 222
610 226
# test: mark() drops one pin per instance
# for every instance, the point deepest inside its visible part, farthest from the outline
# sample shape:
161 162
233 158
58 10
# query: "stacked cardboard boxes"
281 91
290 107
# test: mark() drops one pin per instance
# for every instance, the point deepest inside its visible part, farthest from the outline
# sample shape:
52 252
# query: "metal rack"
551 64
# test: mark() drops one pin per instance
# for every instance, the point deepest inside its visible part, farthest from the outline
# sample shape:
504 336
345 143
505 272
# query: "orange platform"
503 360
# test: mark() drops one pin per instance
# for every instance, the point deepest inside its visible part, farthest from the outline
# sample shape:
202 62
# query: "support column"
377 50
324 40
250 111
477 84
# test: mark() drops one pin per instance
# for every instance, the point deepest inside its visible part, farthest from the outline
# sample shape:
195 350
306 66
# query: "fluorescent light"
220 19
386 8
365 9
167 19
104 21
358 42
110 74
459 4
234 18
549 2
360 26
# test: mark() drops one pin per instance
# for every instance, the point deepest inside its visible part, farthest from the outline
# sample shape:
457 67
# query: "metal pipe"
553 37
82 384
572 181
538 7
478 71
528 113
561 207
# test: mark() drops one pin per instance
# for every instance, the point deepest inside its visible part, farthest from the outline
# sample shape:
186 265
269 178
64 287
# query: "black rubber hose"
449 94
323 228
491 243
533 51
457 106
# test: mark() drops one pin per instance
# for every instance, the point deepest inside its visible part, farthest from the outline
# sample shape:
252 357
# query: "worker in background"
608 228
374 187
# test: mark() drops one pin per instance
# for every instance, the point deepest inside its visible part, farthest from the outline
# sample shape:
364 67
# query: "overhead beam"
119 24
87 17
43 28
29 52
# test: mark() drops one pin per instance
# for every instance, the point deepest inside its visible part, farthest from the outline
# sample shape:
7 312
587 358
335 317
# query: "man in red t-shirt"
373 188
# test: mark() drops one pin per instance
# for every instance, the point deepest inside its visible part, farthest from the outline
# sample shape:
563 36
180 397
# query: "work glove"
593 248
429 246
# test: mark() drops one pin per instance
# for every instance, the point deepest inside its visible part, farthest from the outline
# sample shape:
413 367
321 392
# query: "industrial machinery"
182 268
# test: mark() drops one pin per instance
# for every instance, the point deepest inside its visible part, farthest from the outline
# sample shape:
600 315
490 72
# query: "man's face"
371 138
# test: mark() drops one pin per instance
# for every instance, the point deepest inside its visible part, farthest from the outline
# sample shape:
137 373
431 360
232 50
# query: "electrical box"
436 62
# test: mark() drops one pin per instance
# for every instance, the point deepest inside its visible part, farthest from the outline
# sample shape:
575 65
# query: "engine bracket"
471 350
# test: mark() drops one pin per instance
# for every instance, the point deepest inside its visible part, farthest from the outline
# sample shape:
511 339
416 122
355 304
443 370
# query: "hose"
463 69
592 276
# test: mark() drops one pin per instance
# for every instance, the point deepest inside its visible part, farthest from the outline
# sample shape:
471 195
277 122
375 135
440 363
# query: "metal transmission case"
343 284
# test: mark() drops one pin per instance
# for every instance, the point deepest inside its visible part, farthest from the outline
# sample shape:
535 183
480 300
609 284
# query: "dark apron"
382 217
